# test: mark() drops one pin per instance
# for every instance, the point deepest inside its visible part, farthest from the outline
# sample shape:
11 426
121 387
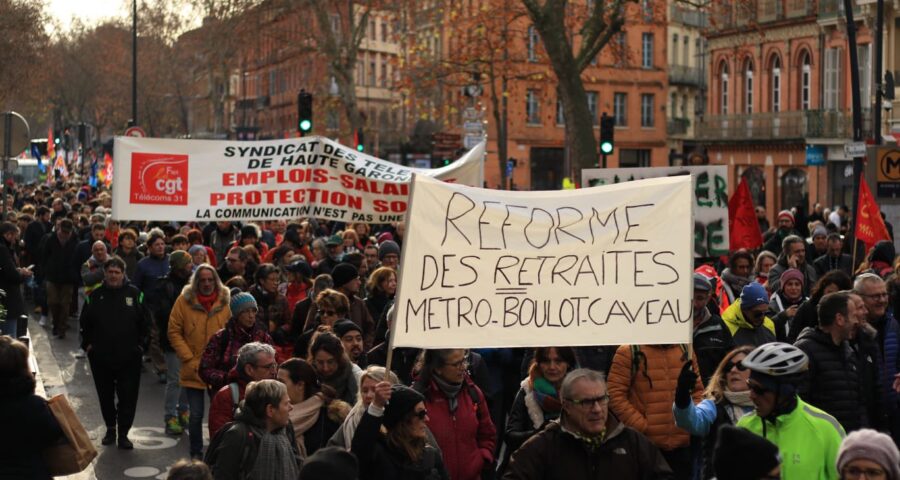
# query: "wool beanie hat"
242 301
384 236
786 214
819 231
343 273
701 282
753 294
403 400
743 455
332 463
179 258
870 445
386 247
792 274
343 327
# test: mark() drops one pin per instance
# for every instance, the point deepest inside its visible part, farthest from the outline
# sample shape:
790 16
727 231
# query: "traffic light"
56 136
304 111
359 140
607 134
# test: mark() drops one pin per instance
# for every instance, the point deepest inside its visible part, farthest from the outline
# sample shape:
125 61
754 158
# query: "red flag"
743 228
51 146
870 226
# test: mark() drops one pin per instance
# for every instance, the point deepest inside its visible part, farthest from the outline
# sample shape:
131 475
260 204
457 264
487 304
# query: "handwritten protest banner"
487 268
710 197
209 180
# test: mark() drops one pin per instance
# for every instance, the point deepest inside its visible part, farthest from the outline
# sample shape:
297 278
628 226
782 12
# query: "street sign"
855 149
470 141
815 155
14 135
135 132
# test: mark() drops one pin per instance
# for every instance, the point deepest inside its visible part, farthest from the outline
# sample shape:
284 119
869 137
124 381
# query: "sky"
64 11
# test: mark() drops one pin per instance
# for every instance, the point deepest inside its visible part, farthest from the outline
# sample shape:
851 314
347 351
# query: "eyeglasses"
877 295
421 414
268 366
586 403
460 364
856 472
757 389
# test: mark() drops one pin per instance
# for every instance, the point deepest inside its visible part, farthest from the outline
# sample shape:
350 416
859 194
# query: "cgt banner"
710 197
209 180
598 266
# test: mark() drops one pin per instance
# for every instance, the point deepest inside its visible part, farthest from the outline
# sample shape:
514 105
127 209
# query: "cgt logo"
159 178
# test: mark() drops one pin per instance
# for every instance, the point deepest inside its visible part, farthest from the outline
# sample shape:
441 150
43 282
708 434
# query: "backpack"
214 443
235 398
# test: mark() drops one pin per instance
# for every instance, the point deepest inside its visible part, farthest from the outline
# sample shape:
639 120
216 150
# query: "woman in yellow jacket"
201 310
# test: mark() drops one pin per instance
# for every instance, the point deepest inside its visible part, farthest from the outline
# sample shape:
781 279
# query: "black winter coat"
712 341
833 380
379 461
58 262
10 282
115 322
554 454
806 316
29 427
165 293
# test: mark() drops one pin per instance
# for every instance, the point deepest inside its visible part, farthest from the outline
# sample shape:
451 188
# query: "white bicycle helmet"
777 359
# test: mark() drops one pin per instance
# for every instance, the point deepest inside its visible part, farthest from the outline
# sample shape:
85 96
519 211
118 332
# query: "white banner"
209 180
597 266
710 197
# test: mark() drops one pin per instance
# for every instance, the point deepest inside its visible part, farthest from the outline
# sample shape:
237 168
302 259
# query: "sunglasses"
421 414
730 365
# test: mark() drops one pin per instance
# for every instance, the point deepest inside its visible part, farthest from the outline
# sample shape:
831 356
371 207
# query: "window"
776 84
620 106
647 50
336 24
864 54
673 105
372 72
647 109
698 55
622 53
723 105
384 31
629 157
794 189
560 114
832 89
687 53
533 41
532 108
805 74
384 72
592 106
371 32
360 71
748 87
684 106
273 82
675 49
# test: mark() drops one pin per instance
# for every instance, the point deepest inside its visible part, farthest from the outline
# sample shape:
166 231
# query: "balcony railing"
781 126
770 10
677 126
685 75
831 9
799 8
689 18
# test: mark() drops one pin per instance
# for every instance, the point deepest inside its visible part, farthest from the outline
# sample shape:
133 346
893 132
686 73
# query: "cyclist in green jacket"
807 437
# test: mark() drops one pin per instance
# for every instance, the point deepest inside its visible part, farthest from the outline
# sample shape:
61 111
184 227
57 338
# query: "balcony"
833 10
689 18
799 8
685 75
795 125
677 126
770 10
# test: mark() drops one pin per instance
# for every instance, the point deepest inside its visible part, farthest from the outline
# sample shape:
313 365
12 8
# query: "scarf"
547 397
351 422
450 390
303 416
739 398
275 459
340 381
592 443
736 282
207 301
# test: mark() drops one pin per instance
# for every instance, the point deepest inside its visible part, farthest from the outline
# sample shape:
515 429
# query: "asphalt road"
154 451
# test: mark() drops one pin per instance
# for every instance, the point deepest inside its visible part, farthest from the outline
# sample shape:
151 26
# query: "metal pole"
7 152
879 84
857 114
134 112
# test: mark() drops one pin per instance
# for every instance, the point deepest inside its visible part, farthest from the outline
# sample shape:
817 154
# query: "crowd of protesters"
276 333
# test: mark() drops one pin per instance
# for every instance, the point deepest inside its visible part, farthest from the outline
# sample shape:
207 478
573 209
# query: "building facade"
687 56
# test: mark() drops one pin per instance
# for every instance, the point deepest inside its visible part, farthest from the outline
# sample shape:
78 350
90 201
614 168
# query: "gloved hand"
686 381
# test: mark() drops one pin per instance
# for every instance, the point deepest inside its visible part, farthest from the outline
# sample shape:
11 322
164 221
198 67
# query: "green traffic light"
56 141
305 125
606 147
360 147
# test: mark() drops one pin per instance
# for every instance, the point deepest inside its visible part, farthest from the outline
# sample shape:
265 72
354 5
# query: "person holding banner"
460 419
586 443
642 384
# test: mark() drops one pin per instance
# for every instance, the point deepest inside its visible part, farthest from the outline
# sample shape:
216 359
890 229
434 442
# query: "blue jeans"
196 400
176 398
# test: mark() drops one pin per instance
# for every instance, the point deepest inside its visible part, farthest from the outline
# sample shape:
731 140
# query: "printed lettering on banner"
607 265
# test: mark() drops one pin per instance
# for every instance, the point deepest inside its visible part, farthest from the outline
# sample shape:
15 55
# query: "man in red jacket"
256 361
